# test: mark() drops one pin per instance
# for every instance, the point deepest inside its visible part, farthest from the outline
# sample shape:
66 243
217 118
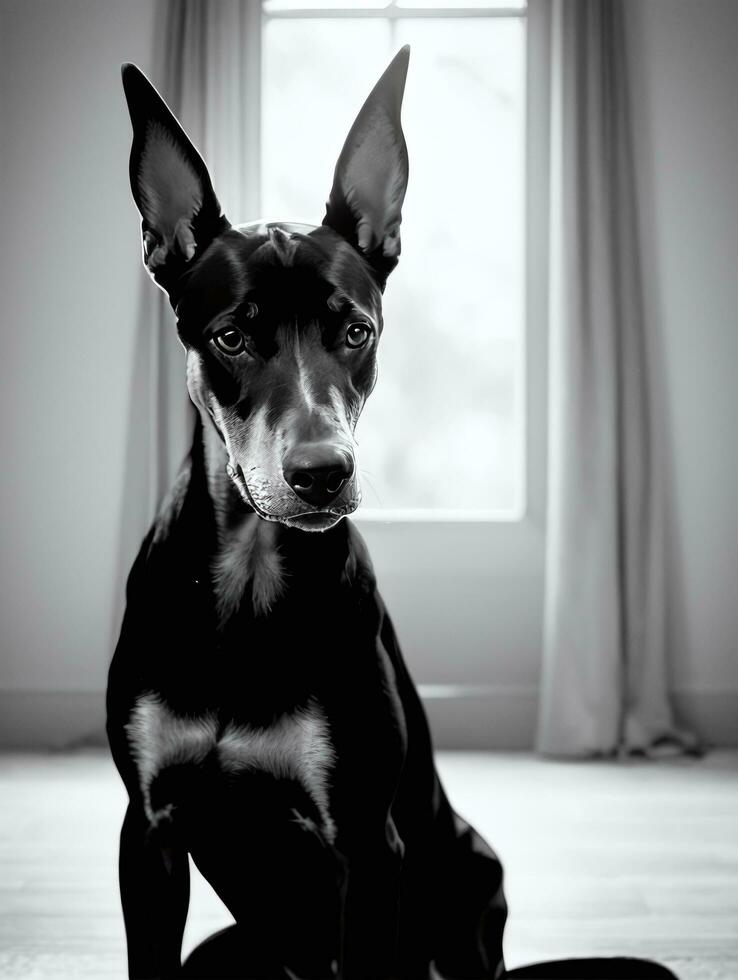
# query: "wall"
69 281
684 85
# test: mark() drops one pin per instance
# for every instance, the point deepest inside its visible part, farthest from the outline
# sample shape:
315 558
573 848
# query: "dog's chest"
296 746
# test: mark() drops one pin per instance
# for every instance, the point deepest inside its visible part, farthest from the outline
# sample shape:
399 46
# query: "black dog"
259 709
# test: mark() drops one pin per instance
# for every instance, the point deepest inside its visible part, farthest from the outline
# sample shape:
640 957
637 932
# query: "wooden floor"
636 858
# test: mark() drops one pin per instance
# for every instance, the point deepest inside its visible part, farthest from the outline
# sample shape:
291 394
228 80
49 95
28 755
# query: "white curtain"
207 68
605 668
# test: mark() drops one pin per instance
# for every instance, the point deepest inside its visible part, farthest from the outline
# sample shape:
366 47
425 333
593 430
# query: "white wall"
69 281
685 98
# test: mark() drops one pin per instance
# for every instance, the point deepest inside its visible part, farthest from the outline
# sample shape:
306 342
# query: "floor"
638 858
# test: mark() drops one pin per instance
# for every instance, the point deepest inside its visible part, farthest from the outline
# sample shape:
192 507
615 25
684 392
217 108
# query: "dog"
259 710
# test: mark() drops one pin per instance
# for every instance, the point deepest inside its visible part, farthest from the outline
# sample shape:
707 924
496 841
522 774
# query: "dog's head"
280 321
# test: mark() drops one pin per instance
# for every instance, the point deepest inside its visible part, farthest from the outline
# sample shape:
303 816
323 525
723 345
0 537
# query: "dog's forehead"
286 269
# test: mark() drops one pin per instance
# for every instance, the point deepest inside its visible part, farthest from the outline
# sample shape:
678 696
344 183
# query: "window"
458 542
445 432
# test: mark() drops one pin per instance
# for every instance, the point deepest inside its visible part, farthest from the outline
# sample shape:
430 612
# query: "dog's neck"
229 509
262 555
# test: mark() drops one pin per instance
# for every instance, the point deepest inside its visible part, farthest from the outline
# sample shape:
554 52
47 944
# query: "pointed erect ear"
170 183
371 174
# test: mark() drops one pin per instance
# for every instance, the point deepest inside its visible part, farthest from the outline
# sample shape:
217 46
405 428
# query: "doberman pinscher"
259 710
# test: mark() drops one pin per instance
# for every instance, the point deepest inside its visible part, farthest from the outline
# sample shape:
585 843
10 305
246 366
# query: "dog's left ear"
170 183
370 180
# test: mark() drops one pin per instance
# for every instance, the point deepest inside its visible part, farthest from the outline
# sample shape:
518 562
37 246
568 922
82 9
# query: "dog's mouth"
319 520
313 521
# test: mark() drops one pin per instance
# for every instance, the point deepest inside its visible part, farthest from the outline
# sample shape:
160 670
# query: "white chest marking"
296 746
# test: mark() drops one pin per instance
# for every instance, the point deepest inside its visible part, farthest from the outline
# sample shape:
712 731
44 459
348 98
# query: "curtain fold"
206 66
605 670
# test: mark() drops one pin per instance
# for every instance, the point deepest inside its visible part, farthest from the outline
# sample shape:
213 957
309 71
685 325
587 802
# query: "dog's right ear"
170 183
370 179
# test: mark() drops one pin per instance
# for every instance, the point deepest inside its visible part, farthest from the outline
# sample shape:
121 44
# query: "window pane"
445 427
273 6
313 86
276 6
455 4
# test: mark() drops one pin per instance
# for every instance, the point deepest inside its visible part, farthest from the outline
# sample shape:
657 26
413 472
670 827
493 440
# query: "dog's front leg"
370 901
155 894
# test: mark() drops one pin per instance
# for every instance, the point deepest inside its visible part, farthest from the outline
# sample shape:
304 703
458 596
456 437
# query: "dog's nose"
317 472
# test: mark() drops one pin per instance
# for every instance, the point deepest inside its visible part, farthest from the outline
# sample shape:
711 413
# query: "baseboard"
461 716
498 717
711 713
51 719
482 716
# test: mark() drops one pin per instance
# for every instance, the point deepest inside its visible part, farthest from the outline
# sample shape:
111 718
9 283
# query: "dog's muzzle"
318 486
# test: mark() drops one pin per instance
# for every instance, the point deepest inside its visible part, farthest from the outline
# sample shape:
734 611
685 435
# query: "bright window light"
445 429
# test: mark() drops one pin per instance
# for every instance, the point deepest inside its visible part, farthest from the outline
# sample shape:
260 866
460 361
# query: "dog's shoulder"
181 536
172 507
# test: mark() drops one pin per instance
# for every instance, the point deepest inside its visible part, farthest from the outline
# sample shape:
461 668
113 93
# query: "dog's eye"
230 341
357 334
